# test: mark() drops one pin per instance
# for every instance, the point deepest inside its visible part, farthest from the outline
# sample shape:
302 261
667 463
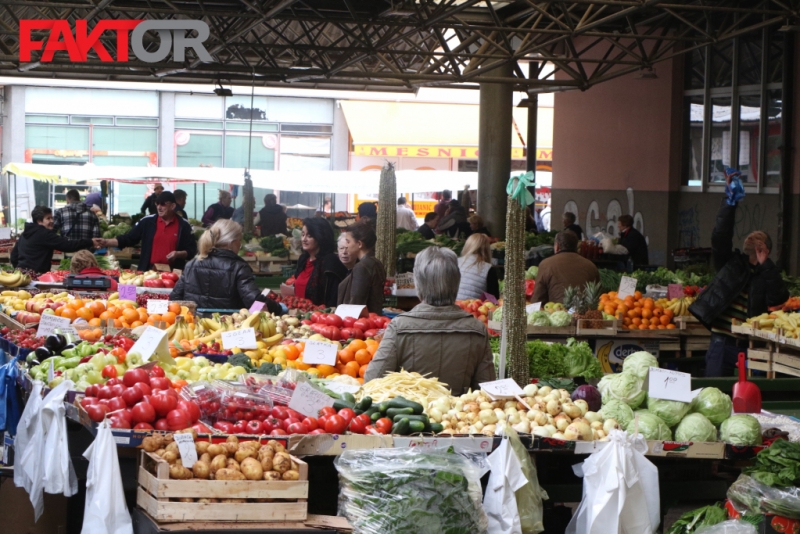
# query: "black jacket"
577 230
145 232
764 284
426 231
636 244
34 250
455 222
330 272
149 205
222 280
272 220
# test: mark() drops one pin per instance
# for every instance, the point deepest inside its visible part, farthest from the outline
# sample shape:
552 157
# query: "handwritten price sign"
308 401
243 339
157 306
317 352
627 287
502 388
669 385
127 292
48 323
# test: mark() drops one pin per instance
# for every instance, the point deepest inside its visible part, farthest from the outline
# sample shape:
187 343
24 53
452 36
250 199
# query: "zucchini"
436 428
400 402
401 428
348 398
364 404
340 404
416 427
392 412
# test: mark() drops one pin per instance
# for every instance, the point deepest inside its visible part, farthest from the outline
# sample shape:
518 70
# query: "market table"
144 524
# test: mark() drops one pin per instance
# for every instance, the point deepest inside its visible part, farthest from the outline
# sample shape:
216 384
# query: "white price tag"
5 233
669 385
530 308
163 267
159 306
589 447
502 388
266 292
338 387
349 310
152 342
308 401
244 338
187 449
49 322
319 352
627 287
696 392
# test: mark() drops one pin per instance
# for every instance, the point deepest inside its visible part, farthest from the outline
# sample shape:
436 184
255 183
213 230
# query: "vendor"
406 218
165 238
219 210
272 217
454 223
180 200
564 269
34 249
477 274
85 263
149 206
428 227
319 271
477 226
218 278
344 253
436 338
364 285
633 240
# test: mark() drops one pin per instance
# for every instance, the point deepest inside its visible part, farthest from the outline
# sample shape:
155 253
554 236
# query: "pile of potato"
232 460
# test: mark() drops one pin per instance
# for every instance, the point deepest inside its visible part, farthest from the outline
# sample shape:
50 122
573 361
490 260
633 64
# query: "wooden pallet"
156 490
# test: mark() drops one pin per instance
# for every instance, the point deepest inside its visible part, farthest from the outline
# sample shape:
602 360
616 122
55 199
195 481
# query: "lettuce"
560 318
539 318
580 360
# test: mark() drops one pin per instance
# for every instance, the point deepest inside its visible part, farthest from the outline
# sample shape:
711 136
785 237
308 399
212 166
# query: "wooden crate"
759 359
689 325
156 489
539 330
786 360
609 328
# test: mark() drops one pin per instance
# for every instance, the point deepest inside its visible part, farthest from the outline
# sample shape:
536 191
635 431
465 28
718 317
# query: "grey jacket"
441 341
364 285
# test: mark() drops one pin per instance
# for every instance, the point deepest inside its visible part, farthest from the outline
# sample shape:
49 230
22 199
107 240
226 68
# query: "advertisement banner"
612 352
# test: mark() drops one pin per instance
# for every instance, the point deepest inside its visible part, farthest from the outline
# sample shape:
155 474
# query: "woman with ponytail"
218 278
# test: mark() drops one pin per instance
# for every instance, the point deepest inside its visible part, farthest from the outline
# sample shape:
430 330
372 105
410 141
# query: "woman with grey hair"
436 337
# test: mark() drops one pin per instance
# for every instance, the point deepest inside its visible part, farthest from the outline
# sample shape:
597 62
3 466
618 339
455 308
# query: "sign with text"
163 267
674 291
530 308
127 292
488 297
257 306
317 352
49 322
462 445
187 449
502 388
669 385
627 287
244 338
349 310
308 401
152 342
157 306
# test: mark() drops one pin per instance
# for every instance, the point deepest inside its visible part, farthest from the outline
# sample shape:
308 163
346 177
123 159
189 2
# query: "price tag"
266 292
627 287
287 291
5 233
257 306
463 445
127 292
669 385
49 322
319 352
163 267
530 308
502 388
244 338
338 387
69 330
157 306
308 401
349 310
187 449
696 392
152 342
674 291
589 447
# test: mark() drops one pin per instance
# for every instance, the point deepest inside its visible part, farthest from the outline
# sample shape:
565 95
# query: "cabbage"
671 412
639 364
650 426
625 387
695 427
497 316
617 410
741 429
531 273
539 318
560 318
714 404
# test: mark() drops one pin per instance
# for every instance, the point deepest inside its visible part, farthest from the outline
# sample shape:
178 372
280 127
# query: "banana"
210 324
10 293
210 337
114 296
252 320
273 340
10 279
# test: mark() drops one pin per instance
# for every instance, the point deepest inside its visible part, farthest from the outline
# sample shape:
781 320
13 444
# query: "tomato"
200 428
336 424
224 426
96 412
254 427
125 414
191 409
357 333
384 425
371 333
118 389
327 410
116 404
317 432
160 382
347 414
316 317
134 376
143 413
347 333
321 420
364 418
113 382
279 412
163 403
109 371
297 428
143 426
357 426
349 322
91 391
362 324
278 432
334 320
178 420
371 431
157 371
144 387
89 401
310 423
119 422
131 396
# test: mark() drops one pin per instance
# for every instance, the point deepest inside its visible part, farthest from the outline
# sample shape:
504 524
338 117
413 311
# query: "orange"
622 308
94 322
665 320
371 343
97 307
629 302
362 371
106 315
648 303
346 355
671 327
326 370
626 321
363 357
76 304
609 309
142 314
118 323
153 318
130 315
136 323
372 349
302 366
128 305
352 369
646 322
653 327
97 333
662 327
636 321
356 345
69 313
643 327
85 314
291 351
360 380
658 311
647 313
637 295
637 312
669 313
168 317
175 308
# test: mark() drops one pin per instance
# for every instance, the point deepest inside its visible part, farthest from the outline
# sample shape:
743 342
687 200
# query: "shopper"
344 253
219 210
364 285
477 226
149 206
436 338
441 207
368 211
633 240
477 274
428 227
537 218
405 216
747 284
319 271
165 238
76 220
455 222
95 198
34 249
180 201
85 263
218 278
272 217
569 224
564 269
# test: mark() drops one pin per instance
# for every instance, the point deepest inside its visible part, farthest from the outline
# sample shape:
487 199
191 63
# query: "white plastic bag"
105 511
620 490
25 431
733 526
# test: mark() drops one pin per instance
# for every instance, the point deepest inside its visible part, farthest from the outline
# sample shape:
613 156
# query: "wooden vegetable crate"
158 494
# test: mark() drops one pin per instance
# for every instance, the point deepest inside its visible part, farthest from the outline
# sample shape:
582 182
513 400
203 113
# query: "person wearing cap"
219 210
166 237
149 205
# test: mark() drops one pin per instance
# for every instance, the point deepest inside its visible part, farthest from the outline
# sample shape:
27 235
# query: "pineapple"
591 298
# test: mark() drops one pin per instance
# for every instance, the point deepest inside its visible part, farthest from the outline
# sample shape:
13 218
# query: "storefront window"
694 112
720 156
774 139
199 150
749 137
260 157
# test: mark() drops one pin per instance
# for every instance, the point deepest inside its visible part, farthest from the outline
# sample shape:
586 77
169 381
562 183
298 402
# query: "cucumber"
400 402
364 404
384 406
436 428
340 404
392 412
371 410
415 427
348 398
401 428
411 417
375 416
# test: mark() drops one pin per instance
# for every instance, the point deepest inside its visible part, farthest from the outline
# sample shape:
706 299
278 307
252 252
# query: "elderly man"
344 253
564 269
405 215
436 337
166 238
180 200
76 220
569 224
149 205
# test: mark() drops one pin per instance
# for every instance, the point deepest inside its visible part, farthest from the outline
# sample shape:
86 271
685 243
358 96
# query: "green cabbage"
741 429
695 427
539 318
617 410
650 426
497 316
671 412
714 404
580 360
625 387
560 318
639 364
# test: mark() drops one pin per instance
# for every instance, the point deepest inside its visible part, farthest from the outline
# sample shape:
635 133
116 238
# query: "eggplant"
68 346
41 354
55 342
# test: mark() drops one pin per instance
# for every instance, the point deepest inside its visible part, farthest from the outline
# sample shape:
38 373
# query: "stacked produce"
788 323
58 276
678 306
699 277
637 312
558 360
148 279
584 301
102 262
296 303
481 310
771 485
14 279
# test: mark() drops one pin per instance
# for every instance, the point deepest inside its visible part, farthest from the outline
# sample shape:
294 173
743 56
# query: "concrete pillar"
494 151
340 152
166 130
18 195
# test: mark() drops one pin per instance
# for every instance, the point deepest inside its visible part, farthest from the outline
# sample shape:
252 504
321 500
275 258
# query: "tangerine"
95 321
362 371
68 313
346 355
356 345
97 307
352 369
647 313
291 351
665 320
85 314
363 357
325 370
136 323
130 315
671 326
637 295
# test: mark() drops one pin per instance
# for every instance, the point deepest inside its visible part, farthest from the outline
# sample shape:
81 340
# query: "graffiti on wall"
749 218
597 221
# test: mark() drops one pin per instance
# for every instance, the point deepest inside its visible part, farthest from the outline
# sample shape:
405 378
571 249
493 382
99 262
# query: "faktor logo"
172 34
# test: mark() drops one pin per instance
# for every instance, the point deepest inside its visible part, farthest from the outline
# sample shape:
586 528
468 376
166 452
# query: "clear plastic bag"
733 526
751 496
397 491
105 509
530 496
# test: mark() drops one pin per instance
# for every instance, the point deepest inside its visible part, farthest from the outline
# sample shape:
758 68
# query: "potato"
291 475
205 457
276 446
272 475
152 443
215 450
233 501
220 461
266 463
170 457
252 469
173 447
168 438
233 464
201 447
160 452
232 439
245 452
282 462
191 431
229 474
207 501
250 443
185 499
179 472
265 452
231 447
202 470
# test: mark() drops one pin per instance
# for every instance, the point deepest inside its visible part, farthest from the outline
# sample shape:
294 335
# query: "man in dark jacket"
34 250
218 210
427 229
180 200
746 285
165 238
272 217
569 224
455 222
633 240
149 205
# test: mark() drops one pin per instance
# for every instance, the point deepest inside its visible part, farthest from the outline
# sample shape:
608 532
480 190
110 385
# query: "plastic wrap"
398 491
531 495
734 526
751 496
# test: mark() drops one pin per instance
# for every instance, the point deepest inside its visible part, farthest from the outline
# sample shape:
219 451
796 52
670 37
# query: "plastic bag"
394 491
105 509
733 526
734 190
530 496
25 431
751 496
9 397
620 489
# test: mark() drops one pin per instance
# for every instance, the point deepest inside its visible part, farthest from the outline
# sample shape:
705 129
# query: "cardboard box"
710 449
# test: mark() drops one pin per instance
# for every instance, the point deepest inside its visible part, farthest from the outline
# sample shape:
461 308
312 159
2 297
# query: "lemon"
313 371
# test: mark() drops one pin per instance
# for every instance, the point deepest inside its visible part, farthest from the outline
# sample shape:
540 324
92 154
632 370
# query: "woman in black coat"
218 278
319 270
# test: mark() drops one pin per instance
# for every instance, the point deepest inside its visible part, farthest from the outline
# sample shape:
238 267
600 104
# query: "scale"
87 281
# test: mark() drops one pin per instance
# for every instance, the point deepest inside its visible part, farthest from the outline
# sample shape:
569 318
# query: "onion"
559 435
593 416
523 427
530 390
550 428
487 417
578 431
553 407
486 406
583 405
509 404
571 410
545 390
609 425
436 414
542 431
562 422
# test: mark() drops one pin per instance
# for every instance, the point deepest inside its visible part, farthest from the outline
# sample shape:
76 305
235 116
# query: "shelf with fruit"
637 312
151 279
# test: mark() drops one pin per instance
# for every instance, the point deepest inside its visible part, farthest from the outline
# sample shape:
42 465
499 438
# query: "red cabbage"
590 394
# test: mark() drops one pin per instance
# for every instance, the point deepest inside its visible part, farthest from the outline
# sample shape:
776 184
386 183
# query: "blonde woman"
219 210
477 275
84 262
218 278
